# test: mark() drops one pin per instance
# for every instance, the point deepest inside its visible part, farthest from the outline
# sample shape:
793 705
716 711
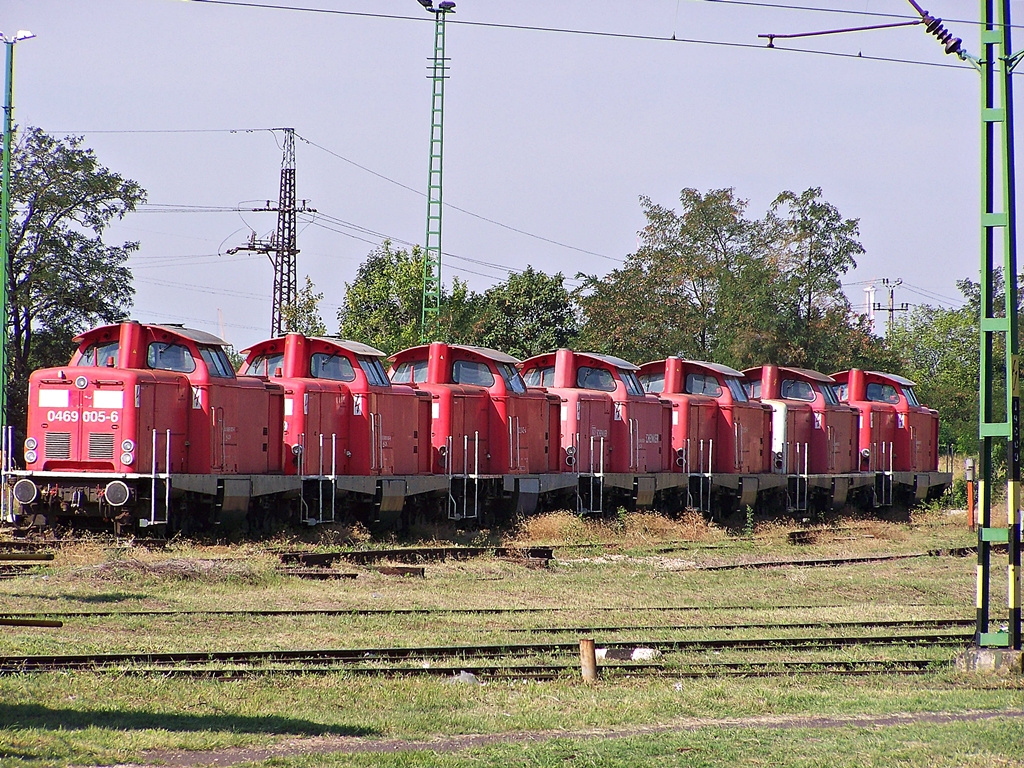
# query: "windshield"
599 379
753 389
632 385
103 354
736 389
540 377
908 392
217 362
513 381
702 384
882 393
334 367
374 371
410 372
653 382
829 392
163 356
266 365
795 389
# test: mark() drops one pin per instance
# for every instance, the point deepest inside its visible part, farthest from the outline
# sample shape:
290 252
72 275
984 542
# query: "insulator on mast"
933 26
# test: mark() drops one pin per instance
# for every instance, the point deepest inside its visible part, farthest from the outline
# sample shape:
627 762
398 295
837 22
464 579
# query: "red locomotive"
351 435
149 424
814 436
898 437
718 434
490 435
612 433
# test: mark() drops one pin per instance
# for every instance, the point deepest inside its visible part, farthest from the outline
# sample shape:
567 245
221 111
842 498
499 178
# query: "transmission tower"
282 247
432 246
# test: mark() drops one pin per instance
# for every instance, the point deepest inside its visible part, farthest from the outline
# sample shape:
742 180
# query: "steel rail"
884 623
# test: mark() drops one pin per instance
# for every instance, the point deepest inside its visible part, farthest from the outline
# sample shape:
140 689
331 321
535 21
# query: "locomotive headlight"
81 382
127 458
296 449
31 443
570 451
127 446
865 453
30 457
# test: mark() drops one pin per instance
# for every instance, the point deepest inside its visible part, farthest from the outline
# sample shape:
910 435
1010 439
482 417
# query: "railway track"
441 611
497 672
431 654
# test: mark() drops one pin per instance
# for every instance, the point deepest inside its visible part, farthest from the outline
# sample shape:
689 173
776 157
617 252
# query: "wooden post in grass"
588 660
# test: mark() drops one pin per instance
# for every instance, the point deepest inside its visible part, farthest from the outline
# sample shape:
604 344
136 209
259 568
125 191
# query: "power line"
841 11
455 207
589 33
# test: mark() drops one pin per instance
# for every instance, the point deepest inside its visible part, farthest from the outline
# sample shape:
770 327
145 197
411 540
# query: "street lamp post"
5 214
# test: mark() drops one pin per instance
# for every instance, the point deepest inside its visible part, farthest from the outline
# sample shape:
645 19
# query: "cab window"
266 365
513 381
632 385
738 394
908 393
103 355
599 379
882 393
471 372
163 356
217 362
374 371
794 389
540 377
829 393
753 389
411 372
333 367
702 384
843 393
653 382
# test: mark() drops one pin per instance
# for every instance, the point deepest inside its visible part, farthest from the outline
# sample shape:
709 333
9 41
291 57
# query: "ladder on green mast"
432 246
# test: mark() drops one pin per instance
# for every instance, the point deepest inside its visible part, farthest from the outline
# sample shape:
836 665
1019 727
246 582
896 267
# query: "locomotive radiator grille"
101 445
57 445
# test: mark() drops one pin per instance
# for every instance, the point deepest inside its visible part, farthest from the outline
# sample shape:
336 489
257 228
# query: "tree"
671 296
817 246
526 315
304 315
383 306
62 276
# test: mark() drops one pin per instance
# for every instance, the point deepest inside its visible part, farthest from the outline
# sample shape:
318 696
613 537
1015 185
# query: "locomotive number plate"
94 417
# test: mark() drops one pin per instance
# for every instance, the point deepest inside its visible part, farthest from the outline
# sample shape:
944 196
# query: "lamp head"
447 6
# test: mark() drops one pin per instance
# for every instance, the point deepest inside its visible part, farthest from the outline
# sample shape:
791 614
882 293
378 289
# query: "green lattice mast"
999 391
432 246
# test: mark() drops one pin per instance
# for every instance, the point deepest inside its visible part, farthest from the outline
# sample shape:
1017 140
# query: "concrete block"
991 661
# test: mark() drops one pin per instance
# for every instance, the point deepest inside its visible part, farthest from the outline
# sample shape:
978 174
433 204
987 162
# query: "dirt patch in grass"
355 745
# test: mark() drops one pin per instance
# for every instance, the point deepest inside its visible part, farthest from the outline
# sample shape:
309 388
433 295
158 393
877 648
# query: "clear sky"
550 136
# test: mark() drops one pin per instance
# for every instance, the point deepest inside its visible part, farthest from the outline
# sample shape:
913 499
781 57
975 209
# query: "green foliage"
304 315
62 276
939 348
528 314
710 283
383 305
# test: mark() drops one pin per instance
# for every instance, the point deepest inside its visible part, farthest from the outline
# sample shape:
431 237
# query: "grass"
644 563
